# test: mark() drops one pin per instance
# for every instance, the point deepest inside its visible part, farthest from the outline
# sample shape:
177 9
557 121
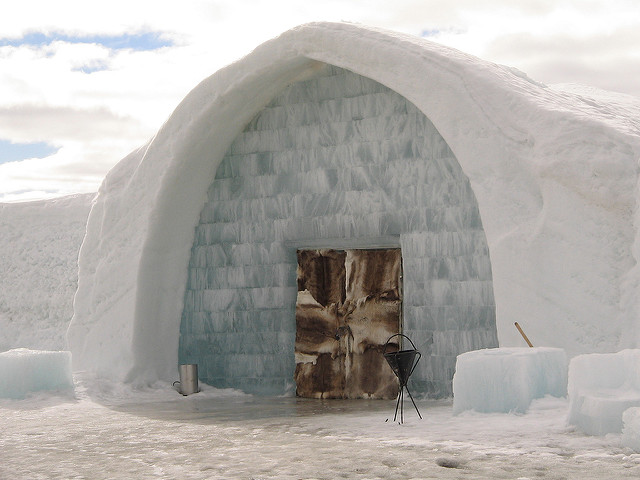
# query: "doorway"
349 303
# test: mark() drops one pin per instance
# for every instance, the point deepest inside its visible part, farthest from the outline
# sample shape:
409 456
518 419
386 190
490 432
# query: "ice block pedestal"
23 371
602 386
508 379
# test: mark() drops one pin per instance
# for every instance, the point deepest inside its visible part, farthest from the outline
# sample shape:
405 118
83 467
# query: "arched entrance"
336 161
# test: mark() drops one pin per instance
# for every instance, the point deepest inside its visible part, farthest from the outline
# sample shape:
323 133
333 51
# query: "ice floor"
111 431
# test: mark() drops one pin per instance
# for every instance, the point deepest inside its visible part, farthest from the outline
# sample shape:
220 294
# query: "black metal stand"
403 363
400 403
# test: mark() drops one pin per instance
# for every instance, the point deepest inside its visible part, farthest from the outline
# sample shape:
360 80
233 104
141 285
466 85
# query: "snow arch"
515 140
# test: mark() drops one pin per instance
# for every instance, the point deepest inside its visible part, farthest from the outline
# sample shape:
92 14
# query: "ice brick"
23 371
508 379
601 388
631 428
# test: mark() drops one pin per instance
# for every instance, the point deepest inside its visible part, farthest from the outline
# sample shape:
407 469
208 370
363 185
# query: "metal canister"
189 378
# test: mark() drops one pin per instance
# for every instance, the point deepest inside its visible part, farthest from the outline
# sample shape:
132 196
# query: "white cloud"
45 123
607 60
96 118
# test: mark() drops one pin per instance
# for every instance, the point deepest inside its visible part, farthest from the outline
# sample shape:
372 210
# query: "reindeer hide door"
348 305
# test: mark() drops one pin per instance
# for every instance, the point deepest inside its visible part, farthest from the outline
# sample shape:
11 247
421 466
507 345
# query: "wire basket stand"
403 363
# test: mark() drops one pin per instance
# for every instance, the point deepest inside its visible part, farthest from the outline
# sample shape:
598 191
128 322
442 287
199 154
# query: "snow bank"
23 371
508 379
555 174
39 244
601 388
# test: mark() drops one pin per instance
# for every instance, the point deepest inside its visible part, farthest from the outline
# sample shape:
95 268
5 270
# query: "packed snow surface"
508 379
23 371
111 431
601 388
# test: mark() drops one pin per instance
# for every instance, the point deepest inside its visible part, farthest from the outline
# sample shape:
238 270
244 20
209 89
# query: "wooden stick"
523 335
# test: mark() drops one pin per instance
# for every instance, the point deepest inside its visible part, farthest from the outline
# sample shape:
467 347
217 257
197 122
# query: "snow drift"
39 244
554 171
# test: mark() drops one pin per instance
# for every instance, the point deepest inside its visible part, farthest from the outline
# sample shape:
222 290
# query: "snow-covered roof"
554 172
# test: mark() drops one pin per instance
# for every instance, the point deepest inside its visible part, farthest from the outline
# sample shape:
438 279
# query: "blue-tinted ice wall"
337 160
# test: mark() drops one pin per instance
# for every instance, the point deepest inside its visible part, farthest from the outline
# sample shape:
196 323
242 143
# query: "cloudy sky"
83 83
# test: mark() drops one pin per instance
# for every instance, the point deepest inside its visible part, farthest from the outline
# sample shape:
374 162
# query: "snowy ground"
111 431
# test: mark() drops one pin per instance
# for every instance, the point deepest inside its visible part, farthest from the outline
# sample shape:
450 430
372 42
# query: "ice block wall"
334 160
